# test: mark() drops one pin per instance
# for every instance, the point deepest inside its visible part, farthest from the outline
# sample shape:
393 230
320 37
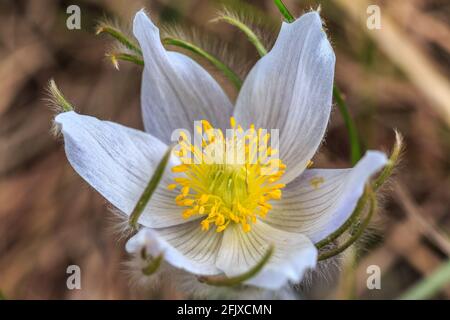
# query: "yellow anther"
185 191
180 168
232 122
222 227
187 213
276 194
234 218
205 225
220 220
181 180
246 227
171 186
188 202
316 182
206 125
263 212
203 199
178 153
266 205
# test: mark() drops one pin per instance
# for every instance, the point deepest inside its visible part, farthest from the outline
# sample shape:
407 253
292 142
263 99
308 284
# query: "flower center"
229 180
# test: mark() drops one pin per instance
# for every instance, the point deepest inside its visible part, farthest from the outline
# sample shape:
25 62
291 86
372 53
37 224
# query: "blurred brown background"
396 77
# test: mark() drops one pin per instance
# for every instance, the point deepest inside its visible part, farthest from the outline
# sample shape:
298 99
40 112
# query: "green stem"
348 223
153 263
119 36
125 57
429 286
356 235
252 37
230 74
153 266
393 160
58 98
284 11
148 192
355 147
240 279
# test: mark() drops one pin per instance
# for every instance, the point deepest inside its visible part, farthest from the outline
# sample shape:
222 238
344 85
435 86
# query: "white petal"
119 162
175 89
184 246
317 211
290 89
293 254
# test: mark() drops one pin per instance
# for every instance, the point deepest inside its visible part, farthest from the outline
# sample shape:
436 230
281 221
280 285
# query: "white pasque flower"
288 89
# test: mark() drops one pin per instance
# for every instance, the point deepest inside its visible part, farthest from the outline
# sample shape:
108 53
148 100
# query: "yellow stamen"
221 228
229 193
203 198
232 122
180 168
185 191
246 227
316 182
188 202
276 194
220 220
179 197
205 225
187 213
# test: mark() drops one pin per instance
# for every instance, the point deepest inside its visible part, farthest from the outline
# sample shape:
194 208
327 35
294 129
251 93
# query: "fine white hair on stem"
124 27
325 273
119 224
259 23
117 48
148 285
55 99
57 103
213 45
249 13
124 41
169 277
397 153
188 283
